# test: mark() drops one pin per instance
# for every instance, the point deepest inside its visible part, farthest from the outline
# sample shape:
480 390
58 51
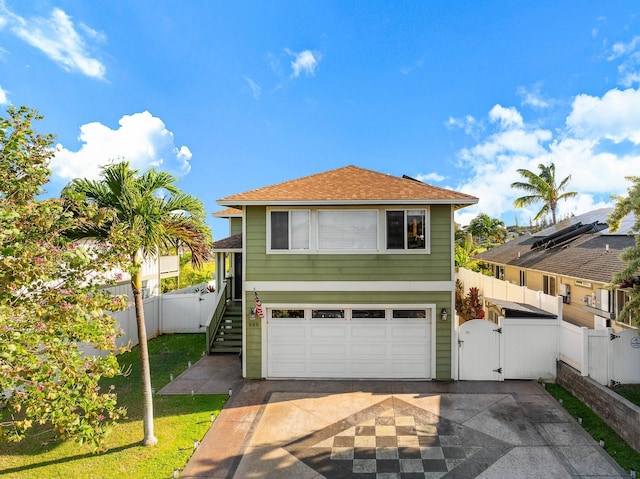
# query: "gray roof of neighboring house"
232 243
512 309
592 256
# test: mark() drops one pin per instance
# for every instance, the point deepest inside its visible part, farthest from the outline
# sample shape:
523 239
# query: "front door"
237 277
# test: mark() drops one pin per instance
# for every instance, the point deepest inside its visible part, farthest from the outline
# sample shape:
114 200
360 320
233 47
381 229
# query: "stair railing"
214 323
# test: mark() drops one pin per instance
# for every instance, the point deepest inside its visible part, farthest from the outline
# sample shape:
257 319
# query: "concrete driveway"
395 430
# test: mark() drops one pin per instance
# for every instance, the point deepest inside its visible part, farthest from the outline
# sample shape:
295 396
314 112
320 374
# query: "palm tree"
542 188
485 227
148 213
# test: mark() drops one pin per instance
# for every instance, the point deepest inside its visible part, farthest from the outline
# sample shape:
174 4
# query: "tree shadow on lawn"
62 460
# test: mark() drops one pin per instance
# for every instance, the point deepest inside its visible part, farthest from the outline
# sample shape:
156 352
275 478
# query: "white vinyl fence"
530 347
182 311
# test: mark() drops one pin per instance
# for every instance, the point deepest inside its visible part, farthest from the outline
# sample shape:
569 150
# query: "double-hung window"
289 230
406 229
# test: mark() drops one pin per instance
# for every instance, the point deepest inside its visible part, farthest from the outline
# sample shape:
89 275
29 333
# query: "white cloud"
468 124
629 56
505 117
620 48
584 149
141 139
57 38
4 100
429 177
304 62
533 97
615 116
255 88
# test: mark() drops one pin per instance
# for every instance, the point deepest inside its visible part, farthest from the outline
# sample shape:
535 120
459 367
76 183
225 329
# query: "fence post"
502 340
584 355
607 349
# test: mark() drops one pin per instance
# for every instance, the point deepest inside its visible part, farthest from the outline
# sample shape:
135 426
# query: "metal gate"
479 351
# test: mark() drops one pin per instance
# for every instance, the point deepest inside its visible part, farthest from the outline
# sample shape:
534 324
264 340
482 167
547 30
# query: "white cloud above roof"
533 98
4 99
58 38
615 116
505 117
304 62
141 139
583 149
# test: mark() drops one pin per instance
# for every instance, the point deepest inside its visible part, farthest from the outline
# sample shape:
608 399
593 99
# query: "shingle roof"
517 310
227 213
228 244
350 184
592 256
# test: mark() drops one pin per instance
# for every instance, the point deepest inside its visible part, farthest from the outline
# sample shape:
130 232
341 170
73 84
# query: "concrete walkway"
391 430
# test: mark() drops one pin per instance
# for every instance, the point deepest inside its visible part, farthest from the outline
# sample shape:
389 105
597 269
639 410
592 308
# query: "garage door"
350 347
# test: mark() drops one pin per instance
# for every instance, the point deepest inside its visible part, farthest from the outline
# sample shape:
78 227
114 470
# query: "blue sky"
231 96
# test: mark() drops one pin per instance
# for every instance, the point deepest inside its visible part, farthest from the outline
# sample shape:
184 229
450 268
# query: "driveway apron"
396 430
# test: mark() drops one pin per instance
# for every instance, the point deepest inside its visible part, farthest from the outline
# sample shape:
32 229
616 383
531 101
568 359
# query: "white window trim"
288 250
348 308
381 237
427 232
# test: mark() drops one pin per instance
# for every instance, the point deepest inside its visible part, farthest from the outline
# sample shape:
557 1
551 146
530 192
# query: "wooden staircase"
228 336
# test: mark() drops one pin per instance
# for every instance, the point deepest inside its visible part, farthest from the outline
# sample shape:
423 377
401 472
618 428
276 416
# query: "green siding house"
347 273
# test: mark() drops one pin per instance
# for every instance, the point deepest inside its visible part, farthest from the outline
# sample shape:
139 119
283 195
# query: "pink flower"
40 387
116 299
37 259
119 276
100 417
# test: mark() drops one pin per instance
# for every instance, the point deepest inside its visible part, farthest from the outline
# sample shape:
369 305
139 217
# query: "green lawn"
179 420
630 391
619 450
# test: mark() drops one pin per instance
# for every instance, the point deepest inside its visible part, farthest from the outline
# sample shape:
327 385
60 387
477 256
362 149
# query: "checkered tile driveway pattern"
399 430
395 440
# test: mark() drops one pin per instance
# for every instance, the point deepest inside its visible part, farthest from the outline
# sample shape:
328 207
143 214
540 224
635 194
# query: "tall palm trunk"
147 398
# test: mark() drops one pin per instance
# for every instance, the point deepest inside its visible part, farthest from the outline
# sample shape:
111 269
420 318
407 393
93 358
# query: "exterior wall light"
443 314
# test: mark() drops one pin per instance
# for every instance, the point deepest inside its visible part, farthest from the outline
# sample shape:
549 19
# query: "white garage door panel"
339 348
409 370
408 350
361 331
408 331
288 367
374 350
368 369
328 331
287 351
328 350
321 369
289 331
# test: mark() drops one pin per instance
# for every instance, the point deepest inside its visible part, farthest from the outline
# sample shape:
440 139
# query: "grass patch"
630 392
179 420
624 455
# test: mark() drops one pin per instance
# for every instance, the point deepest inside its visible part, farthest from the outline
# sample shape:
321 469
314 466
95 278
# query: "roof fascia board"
346 202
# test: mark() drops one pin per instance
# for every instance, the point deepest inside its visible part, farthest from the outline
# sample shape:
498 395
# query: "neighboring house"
354 270
575 259
154 269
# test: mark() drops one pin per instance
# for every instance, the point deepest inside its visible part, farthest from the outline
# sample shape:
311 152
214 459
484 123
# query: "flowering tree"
51 310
